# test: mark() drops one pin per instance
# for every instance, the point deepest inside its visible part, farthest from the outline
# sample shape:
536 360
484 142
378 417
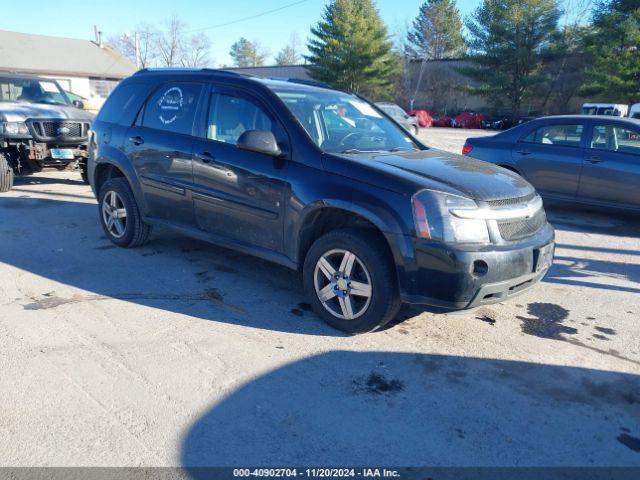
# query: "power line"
251 17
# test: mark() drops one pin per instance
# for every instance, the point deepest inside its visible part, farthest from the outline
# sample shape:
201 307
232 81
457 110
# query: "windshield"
30 90
341 123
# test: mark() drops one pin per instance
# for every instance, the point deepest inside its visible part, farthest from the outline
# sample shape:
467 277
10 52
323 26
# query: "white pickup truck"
612 109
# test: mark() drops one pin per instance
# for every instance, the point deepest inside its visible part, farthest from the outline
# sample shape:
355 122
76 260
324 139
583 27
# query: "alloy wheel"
114 214
342 284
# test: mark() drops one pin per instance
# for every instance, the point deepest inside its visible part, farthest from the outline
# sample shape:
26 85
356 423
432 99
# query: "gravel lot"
181 353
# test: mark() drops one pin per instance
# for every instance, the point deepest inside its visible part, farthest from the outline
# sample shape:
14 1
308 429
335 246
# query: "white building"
82 67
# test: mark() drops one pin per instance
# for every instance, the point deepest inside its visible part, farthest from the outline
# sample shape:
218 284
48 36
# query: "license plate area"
542 258
61 153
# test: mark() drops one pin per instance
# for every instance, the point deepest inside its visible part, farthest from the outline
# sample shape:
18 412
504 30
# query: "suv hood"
439 170
20 112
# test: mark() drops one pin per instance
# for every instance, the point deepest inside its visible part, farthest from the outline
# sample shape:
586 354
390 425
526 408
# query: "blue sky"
75 18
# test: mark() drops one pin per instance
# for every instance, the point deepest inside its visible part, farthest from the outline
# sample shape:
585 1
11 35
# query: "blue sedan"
593 160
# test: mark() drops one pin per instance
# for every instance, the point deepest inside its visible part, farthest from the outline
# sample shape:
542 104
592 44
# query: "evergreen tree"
351 50
436 32
508 40
247 54
615 48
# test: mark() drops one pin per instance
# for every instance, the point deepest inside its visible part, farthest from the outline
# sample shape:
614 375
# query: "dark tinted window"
120 102
172 108
565 135
616 139
230 117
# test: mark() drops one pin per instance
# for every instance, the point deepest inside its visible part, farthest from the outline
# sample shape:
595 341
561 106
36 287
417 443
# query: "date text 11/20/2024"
317 472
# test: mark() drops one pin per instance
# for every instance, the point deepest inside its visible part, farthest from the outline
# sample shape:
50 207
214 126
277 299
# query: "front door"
611 172
239 194
550 158
160 147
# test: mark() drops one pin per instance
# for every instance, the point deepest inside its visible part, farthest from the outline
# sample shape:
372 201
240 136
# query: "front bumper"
456 278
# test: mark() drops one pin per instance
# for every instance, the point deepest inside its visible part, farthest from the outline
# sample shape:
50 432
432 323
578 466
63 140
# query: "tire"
84 173
6 174
372 265
132 231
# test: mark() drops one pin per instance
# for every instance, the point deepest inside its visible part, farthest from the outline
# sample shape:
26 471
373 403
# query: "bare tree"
290 54
170 43
196 51
149 46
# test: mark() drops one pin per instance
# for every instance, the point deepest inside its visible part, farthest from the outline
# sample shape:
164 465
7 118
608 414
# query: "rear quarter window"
123 104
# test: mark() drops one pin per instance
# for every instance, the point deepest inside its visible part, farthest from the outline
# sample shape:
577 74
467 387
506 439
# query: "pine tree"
508 40
615 48
247 54
436 32
351 50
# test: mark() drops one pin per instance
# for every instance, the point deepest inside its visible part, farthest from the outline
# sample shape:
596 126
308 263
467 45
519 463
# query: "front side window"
341 123
616 139
229 117
172 108
31 90
563 135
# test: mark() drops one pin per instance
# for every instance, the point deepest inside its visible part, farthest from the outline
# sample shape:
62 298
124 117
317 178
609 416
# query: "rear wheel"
119 214
6 174
350 280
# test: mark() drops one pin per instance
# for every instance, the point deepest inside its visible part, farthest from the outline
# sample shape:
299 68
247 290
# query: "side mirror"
261 141
78 104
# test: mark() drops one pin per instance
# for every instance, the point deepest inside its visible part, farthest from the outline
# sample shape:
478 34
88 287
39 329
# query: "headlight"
434 218
14 128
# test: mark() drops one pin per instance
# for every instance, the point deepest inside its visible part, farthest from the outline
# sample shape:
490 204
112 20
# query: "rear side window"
121 104
563 135
172 108
616 139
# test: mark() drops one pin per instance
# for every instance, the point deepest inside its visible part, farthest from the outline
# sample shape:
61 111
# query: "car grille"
60 129
522 227
509 202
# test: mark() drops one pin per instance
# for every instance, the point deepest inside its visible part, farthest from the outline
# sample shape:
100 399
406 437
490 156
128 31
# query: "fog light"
480 268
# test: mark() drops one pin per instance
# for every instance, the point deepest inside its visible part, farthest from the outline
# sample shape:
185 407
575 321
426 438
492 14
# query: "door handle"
137 140
594 159
205 157
523 152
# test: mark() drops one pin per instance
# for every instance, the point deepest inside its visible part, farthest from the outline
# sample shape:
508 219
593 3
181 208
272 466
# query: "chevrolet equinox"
318 180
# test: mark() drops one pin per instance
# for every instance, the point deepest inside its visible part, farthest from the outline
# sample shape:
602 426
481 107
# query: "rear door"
550 157
160 147
239 194
611 172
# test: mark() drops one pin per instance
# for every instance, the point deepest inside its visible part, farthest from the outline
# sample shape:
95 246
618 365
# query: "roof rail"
185 70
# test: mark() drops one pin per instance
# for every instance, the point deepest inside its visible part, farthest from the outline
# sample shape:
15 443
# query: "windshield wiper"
352 151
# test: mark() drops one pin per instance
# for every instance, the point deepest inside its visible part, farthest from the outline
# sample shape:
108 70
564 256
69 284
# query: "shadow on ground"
63 242
399 409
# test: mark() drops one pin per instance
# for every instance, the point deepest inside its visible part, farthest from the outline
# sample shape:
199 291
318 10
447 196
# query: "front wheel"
84 173
6 174
350 280
120 216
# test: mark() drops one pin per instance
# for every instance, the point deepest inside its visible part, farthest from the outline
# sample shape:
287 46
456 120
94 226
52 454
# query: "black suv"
39 127
318 180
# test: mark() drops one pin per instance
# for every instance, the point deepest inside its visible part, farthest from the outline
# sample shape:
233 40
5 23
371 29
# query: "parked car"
39 127
468 120
612 109
442 121
396 112
423 117
586 159
317 180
